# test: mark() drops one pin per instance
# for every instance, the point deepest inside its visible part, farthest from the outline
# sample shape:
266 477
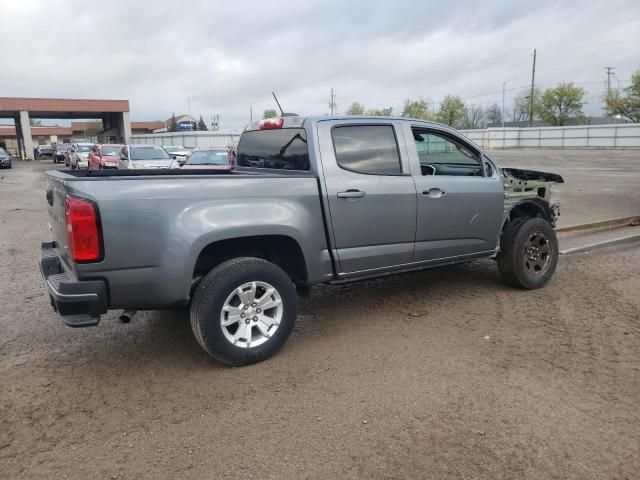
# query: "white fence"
625 135
190 139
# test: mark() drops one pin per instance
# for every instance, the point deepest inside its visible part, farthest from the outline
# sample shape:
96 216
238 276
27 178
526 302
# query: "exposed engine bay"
522 185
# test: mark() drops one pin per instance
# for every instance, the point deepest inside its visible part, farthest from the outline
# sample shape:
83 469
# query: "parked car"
44 151
104 156
208 159
61 153
313 200
143 156
5 158
178 153
79 155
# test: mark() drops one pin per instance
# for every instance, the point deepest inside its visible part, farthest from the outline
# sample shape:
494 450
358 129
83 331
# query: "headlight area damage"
530 190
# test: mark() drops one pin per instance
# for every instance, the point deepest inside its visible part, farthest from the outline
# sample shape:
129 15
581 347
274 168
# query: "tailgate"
55 208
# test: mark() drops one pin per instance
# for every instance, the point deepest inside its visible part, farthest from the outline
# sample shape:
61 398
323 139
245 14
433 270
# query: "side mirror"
173 155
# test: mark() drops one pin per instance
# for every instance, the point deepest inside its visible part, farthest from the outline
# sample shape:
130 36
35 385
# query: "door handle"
434 193
351 193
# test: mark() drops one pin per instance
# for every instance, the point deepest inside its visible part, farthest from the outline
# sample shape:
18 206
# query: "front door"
460 196
370 192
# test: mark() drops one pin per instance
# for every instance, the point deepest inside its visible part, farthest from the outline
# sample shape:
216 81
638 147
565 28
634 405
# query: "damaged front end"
529 190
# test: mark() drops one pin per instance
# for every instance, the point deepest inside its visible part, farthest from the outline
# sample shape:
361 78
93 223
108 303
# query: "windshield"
110 151
209 157
3 152
62 147
149 153
84 148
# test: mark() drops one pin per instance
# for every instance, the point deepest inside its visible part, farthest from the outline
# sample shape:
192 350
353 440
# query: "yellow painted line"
603 225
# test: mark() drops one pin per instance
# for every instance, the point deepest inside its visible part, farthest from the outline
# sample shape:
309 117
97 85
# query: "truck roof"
298 121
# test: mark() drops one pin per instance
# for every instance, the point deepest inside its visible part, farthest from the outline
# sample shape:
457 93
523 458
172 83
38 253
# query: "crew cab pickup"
313 200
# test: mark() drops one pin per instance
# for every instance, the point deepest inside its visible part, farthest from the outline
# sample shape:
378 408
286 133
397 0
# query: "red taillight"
82 230
271 123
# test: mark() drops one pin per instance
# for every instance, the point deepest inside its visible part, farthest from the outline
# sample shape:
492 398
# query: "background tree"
417 109
92 129
35 123
270 113
201 125
451 111
473 117
355 109
626 105
173 124
380 112
520 112
494 114
561 103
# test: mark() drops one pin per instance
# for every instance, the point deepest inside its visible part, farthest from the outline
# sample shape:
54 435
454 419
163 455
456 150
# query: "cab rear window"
284 149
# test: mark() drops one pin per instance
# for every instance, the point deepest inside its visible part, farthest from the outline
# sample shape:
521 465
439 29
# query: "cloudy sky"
228 56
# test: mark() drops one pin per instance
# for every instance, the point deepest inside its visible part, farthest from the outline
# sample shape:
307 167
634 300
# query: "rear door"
371 194
460 195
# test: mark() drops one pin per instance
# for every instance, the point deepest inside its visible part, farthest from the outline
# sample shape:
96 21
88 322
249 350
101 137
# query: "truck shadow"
165 336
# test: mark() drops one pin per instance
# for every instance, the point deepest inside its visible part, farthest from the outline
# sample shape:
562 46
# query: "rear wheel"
243 311
528 253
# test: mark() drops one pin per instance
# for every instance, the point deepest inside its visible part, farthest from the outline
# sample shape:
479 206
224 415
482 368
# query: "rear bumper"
79 302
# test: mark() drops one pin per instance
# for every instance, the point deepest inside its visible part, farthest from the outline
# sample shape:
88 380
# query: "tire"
528 253
228 344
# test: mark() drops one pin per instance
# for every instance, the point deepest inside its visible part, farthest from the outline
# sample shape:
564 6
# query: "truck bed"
177 172
156 223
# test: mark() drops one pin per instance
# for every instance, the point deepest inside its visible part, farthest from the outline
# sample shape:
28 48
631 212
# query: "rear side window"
284 149
370 149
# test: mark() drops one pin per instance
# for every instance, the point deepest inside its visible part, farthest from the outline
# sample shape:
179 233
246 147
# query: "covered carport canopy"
113 113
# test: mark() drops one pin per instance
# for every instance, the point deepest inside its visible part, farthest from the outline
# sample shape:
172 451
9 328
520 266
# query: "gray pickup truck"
313 200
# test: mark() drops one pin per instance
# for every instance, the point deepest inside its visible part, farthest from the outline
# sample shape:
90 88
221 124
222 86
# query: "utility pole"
610 71
503 85
533 82
250 113
332 103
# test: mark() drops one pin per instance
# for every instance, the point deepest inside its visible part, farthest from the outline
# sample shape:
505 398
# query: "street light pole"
504 84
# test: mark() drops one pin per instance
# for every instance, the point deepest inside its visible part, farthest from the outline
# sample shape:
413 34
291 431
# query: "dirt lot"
441 374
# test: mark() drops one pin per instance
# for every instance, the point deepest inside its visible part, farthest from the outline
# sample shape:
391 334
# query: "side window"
369 149
443 155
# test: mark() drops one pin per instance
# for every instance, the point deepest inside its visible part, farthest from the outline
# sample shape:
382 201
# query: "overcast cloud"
226 56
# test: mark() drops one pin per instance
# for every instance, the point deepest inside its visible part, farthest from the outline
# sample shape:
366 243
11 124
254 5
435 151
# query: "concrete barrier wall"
625 135
221 138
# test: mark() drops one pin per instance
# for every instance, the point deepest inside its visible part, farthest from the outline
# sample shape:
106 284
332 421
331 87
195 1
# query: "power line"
332 102
610 71
533 80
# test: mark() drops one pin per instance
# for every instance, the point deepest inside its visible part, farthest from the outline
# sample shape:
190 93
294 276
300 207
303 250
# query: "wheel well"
279 249
531 209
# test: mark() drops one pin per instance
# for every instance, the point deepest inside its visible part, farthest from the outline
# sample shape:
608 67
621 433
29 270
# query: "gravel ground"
443 374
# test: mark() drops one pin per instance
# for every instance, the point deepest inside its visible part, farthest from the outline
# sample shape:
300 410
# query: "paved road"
441 374
600 184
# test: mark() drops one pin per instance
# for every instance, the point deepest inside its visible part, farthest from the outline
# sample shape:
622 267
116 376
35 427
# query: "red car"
210 159
104 156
